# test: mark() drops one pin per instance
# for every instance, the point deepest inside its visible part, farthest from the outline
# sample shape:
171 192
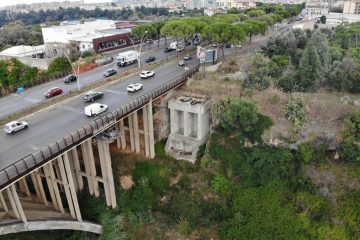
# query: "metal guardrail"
32 161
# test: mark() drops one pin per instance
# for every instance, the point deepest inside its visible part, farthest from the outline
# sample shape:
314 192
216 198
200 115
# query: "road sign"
200 53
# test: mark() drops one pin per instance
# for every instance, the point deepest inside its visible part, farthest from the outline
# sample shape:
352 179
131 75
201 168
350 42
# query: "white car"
134 87
181 63
95 109
187 57
15 126
180 49
147 74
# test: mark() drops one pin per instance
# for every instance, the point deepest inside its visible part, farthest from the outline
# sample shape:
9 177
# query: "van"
95 109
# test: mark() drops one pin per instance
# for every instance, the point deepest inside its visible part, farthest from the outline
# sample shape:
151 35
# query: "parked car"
228 45
95 109
110 72
187 57
238 46
181 63
70 78
150 59
15 126
168 49
134 87
92 96
197 41
147 74
149 41
180 49
52 92
214 45
187 43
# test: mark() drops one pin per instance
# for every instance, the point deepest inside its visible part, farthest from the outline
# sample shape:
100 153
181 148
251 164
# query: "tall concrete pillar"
24 188
36 187
72 166
151 130
50 187
90 169
3 203
41 187
131 132
122 134
77 168
146 129
54 182
187 123
107 173
136 131
18 204
174 121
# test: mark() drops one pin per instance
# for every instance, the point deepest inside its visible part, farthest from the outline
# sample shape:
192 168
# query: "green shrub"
352 126
91 207
220 184
349 211
349 151
160 149
274 98
314 206
295 112
305 153
59 64
201 152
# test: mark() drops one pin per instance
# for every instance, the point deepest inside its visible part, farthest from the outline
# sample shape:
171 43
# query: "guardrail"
25 165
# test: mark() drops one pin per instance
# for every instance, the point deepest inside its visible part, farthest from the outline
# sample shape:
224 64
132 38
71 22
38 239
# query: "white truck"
126 58
174 45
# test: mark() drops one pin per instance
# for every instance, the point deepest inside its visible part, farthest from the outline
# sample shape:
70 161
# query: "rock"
126 182
357 103
345 100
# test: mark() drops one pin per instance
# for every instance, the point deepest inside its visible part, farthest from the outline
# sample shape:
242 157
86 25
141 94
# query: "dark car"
187 43
228 45
70 78
150 59
92 96
110 72
167 49
52 92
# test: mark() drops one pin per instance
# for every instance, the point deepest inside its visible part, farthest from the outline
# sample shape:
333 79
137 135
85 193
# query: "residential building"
351 7
315 8
334 19
225 4
211 11
243 4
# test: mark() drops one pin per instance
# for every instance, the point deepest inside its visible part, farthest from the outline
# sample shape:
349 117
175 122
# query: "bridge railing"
25 165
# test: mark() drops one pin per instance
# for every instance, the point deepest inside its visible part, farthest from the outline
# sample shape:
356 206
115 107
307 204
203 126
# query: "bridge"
62 153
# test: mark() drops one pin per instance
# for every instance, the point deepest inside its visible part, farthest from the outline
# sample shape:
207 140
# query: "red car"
52 92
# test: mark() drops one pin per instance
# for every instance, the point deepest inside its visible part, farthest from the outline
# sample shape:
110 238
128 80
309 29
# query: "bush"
296 113
59 64
349 151
201 152
287 83
349 211
91 207
314 206
352 126
220 184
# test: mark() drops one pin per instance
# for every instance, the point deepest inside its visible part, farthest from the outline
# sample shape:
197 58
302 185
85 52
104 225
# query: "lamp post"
73 68
140 47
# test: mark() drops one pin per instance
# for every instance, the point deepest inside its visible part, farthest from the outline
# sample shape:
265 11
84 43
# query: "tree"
255 13
309 70
144 32
178 29
59 64
323 51
253 27
158 25
222 33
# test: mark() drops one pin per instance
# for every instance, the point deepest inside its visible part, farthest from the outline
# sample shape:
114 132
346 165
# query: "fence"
32 161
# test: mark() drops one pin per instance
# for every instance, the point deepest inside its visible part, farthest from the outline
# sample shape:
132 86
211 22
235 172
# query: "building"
334 19
197 4
211 11
242 5
226 4
315 9
351 7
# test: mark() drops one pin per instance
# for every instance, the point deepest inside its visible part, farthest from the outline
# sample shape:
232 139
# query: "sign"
200 53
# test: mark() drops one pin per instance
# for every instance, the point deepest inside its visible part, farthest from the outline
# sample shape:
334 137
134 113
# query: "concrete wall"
41 63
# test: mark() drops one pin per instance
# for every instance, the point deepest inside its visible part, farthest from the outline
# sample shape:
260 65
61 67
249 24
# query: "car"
214 45
197 41
147 74
95 109
180 49
238 46
92 96
149 41
70 78
181 63
187 57
15 126
168 49
150 59
110 72
187 43
228 45
52 92
134 87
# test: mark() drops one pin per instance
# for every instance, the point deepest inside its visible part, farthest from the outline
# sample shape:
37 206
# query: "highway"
16 102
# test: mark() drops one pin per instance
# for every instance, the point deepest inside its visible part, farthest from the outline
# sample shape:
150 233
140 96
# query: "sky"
4 3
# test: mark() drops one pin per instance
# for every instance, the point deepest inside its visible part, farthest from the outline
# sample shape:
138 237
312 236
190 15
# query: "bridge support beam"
136 131
89 162
151 129
131 133
107 173
122 134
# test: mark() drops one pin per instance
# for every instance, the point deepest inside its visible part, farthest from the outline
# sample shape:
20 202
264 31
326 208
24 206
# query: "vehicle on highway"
181 63
187 43
214 45
92 96
110 72
228 45
168 49
197 41
187 57
147 74
15 126
180 49
126 58
134 87
70 78
95 109
149 41
150 59
52 92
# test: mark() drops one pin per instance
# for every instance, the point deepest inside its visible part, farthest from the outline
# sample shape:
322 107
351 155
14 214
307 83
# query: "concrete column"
151 130
55 186
36 187
122 134
75 158
72 188
12 203
131 131
146 130
136 131
72 167
20 210
174 121
50 187
187 124
90 169
41 187
24 186
109 173
3 203
102 157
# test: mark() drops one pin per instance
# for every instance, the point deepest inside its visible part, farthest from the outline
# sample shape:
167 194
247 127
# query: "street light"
140 47
73 68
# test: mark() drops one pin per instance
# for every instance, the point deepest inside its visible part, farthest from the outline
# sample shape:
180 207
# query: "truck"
126 58
174 45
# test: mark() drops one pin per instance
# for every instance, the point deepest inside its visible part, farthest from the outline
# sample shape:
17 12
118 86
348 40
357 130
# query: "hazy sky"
14 2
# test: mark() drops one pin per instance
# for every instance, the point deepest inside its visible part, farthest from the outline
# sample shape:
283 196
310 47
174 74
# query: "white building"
226 4
315 9
70 30
334 19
